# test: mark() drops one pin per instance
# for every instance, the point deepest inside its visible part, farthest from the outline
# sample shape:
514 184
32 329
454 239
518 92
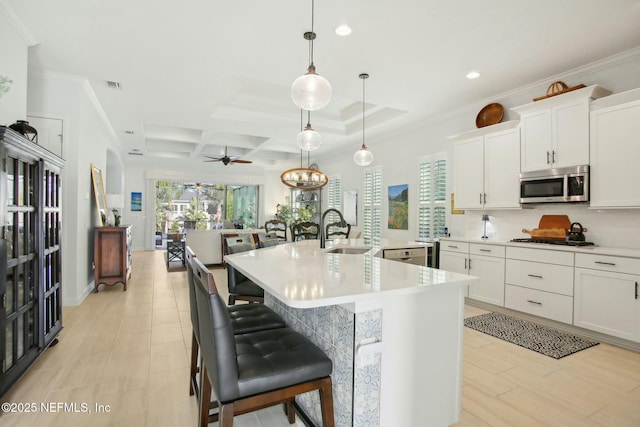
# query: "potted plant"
284 213
176 236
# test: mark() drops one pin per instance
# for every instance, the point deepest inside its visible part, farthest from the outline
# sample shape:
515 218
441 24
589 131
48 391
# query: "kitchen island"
393 330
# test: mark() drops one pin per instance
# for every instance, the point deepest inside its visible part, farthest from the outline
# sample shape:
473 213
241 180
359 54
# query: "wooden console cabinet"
112 255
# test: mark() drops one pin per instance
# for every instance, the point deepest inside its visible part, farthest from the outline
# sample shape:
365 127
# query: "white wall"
398 154
13 64
87 137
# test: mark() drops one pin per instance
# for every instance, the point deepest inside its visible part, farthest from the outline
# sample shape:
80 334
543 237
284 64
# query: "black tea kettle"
575 233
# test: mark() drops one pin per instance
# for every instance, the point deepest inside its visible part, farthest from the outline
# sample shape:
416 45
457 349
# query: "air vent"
114 85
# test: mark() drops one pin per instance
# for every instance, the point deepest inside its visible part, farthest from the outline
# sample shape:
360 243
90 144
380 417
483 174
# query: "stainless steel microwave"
555 185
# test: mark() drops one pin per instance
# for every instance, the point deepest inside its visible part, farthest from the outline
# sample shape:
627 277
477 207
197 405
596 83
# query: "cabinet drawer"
608 263
548 256
487 250
539 303
544 277
454 246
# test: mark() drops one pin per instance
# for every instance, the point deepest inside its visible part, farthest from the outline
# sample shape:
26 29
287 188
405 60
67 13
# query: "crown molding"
17 23
85 85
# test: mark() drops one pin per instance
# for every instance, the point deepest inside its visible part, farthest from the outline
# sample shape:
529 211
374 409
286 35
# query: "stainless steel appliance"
555 185
554 242
417 256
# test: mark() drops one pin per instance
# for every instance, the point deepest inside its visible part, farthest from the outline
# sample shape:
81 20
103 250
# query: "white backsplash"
618 228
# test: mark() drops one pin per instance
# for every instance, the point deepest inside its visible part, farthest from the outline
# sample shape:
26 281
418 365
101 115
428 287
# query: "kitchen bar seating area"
131 351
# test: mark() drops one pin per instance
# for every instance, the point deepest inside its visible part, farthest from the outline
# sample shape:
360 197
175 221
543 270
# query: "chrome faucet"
323 238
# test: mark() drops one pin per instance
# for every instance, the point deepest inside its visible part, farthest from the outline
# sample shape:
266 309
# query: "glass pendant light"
309 139
311 91
363 157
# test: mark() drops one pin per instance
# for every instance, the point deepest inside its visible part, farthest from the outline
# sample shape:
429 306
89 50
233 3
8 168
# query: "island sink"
353 251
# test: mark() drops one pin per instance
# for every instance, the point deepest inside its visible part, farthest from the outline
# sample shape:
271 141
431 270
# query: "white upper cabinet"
555 131
615 151
487 167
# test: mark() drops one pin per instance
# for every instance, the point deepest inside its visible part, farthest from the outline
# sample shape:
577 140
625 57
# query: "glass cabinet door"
20 294
51 298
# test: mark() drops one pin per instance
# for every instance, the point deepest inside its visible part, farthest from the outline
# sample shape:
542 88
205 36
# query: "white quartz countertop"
598 250
303 275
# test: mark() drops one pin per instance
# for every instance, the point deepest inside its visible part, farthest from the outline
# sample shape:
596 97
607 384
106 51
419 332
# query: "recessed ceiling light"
473 75
343 30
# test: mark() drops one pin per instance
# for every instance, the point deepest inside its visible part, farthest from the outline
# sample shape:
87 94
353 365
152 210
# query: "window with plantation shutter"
334 198
432 196
372 205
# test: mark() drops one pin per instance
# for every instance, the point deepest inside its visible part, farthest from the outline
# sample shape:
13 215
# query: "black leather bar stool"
255 370
240 287
244 318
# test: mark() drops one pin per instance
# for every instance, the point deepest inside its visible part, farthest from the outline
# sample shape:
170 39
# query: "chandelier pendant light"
311 91
308 139
363 157
304 178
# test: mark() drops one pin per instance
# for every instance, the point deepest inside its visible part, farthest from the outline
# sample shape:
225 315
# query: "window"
334 197
432 197
187 205
372 205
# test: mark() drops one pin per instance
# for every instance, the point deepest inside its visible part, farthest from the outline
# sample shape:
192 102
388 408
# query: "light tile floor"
130 350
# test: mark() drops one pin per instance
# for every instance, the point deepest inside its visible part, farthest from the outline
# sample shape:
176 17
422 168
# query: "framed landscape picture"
136 201
398 207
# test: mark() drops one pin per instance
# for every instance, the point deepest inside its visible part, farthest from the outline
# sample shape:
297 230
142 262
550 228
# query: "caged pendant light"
311 91
363 157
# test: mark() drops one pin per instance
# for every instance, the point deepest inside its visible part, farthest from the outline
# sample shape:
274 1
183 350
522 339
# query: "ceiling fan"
226 159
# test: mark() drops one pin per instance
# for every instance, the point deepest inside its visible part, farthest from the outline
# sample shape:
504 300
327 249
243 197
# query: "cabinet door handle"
469 264
535 276
636 290
553 156
534 302
547 157
465 263
612 264
452 246
485 198
480 198
485 250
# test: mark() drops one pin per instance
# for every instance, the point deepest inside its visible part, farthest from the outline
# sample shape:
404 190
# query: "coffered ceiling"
190 77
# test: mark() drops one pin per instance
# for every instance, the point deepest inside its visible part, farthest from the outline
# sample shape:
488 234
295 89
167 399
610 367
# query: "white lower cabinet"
454 256
540 282
606 295
487 263
540 303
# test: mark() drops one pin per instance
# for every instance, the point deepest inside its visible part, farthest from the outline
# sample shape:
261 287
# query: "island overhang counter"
393 330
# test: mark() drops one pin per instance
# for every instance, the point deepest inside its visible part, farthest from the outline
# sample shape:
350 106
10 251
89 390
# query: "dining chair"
277 226
256 370
268 239
305 230
338 229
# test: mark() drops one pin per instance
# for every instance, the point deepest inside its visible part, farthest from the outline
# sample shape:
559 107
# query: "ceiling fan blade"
241 161
213 159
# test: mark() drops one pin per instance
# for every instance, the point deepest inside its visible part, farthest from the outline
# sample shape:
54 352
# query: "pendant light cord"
363 104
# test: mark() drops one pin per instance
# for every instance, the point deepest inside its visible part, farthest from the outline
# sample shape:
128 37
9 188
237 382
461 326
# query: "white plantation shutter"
372 205
334 197
432 196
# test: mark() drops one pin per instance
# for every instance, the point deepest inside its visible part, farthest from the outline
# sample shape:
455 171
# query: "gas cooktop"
553 242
